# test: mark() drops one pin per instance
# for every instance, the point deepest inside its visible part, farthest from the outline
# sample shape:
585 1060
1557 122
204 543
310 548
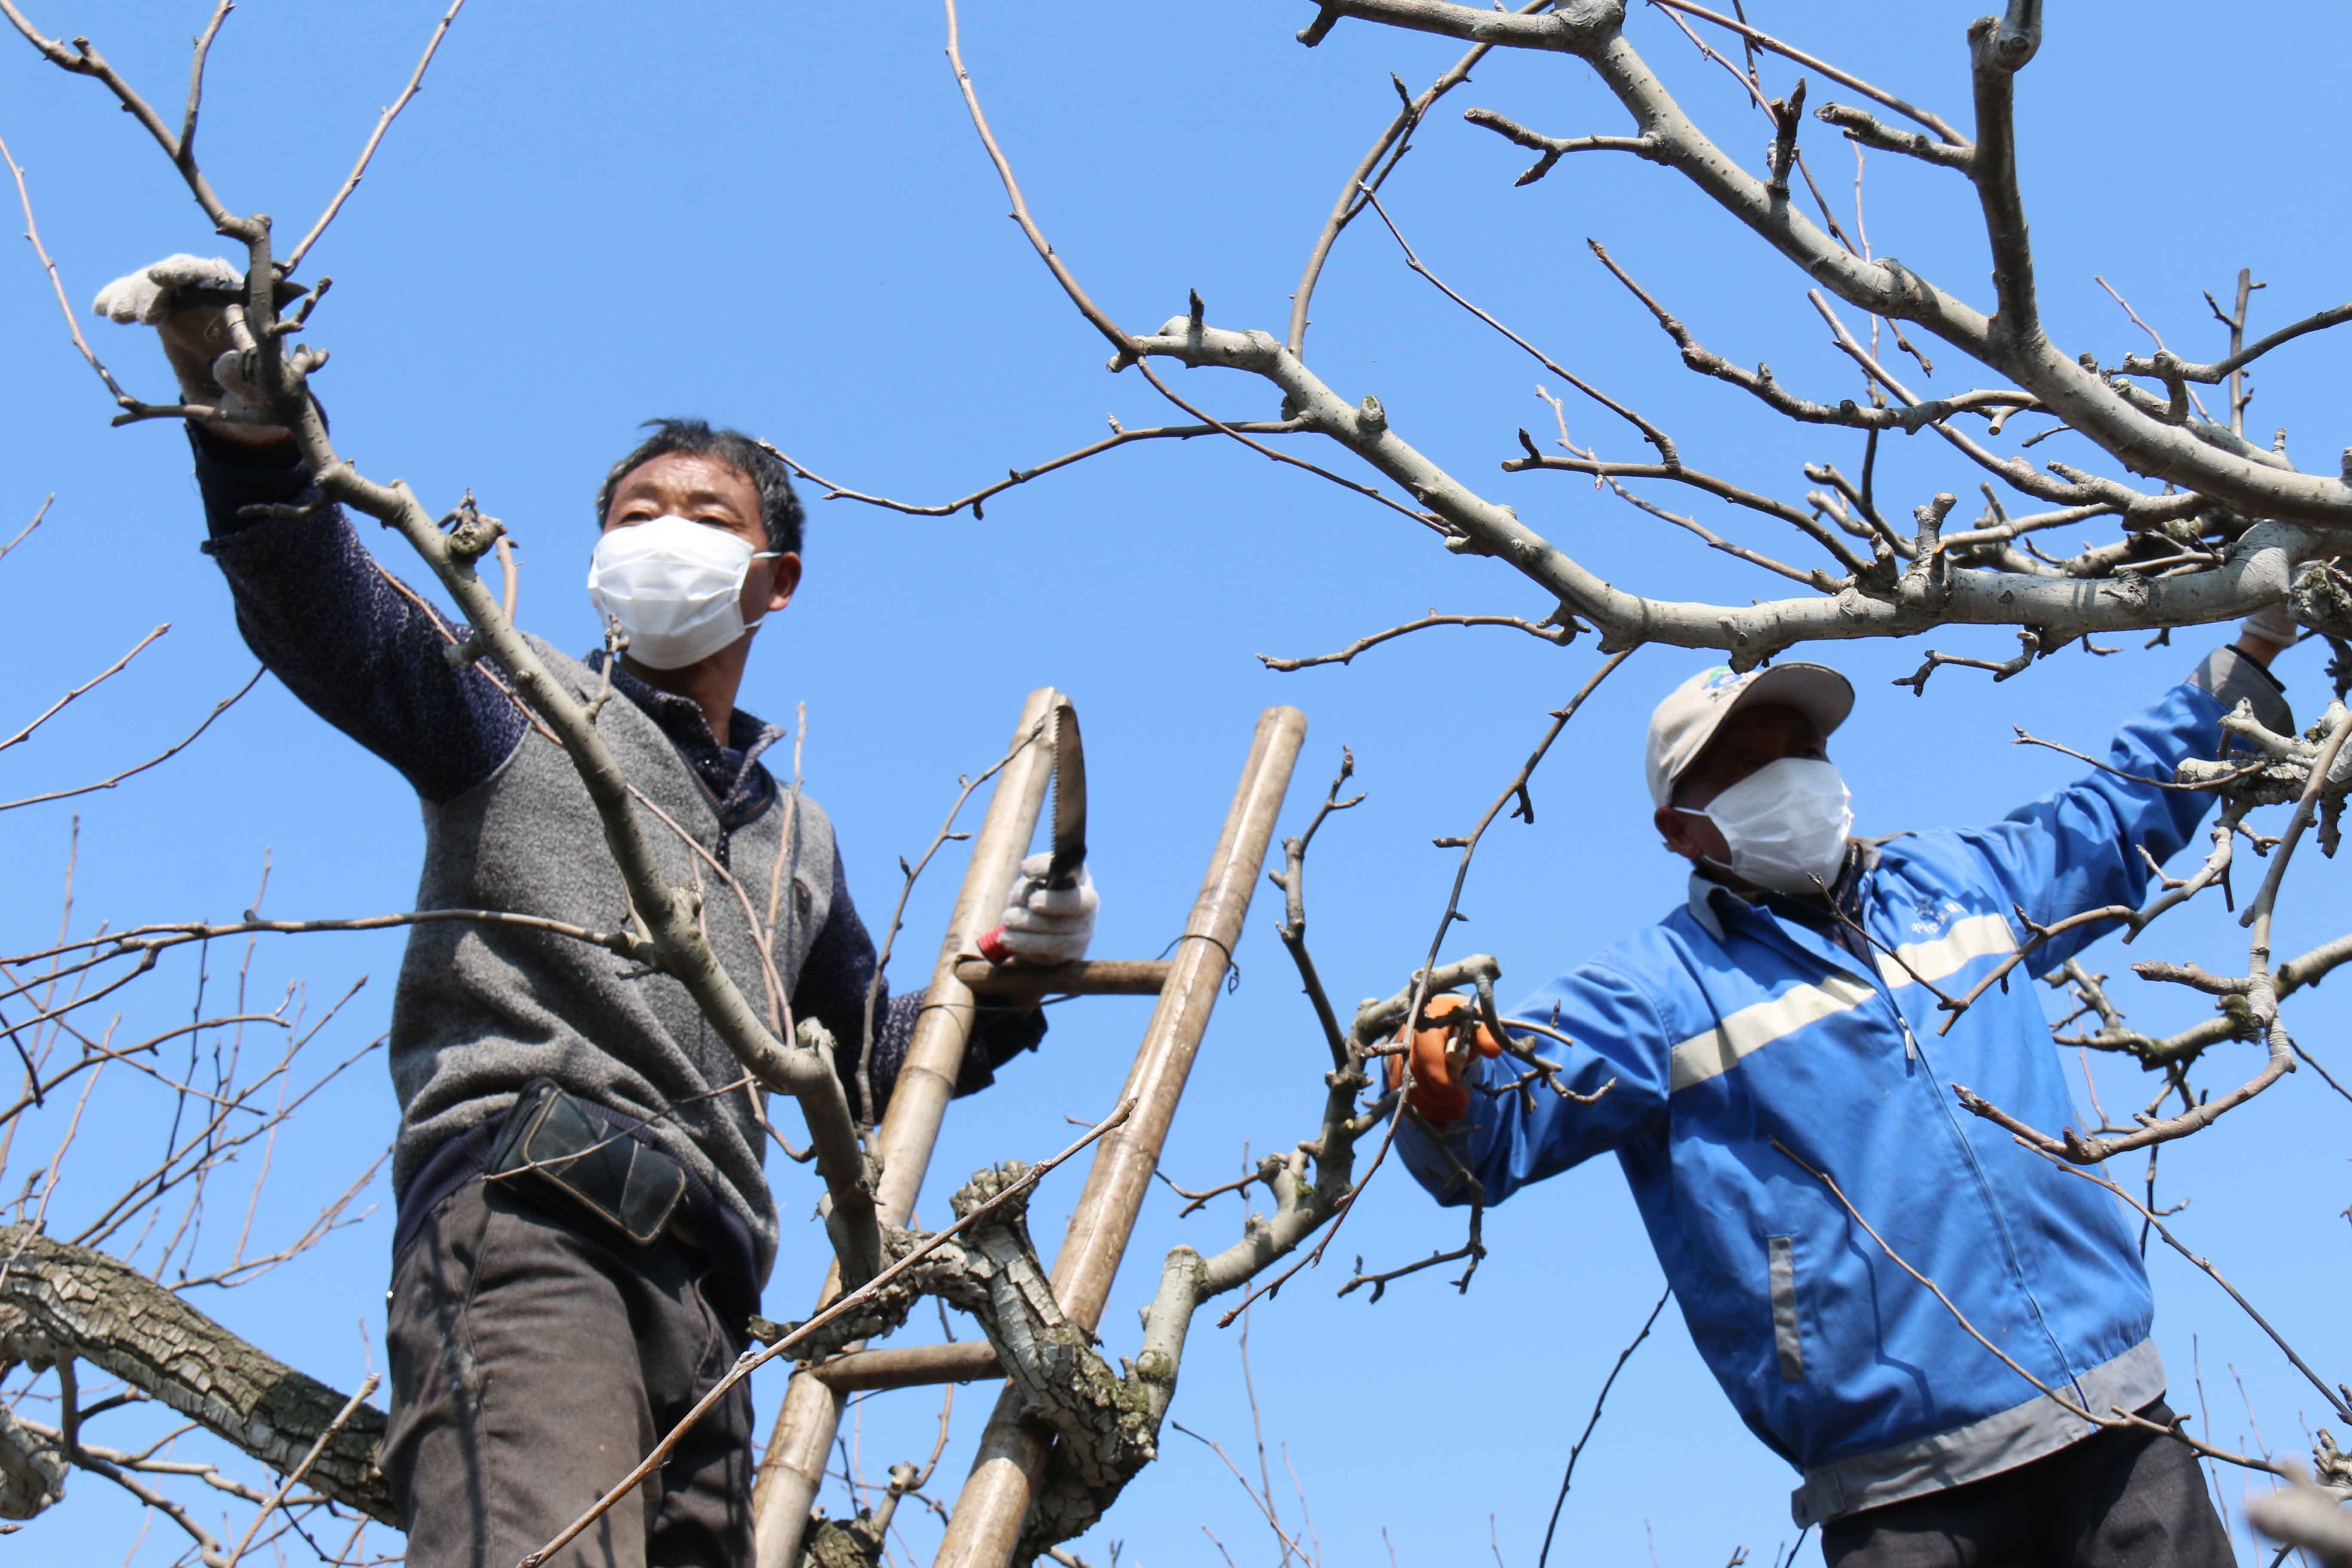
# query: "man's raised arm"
2080 847
362 651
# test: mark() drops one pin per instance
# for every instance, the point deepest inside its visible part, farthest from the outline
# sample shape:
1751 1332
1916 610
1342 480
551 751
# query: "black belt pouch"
570 1156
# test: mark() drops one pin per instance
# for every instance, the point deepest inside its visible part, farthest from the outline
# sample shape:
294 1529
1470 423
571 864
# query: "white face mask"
676 586
1786 825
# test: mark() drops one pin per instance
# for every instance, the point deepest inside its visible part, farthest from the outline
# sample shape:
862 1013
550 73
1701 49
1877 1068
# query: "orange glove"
1441 1061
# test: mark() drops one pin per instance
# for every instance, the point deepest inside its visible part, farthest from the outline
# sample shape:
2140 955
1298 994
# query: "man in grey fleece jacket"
536 1349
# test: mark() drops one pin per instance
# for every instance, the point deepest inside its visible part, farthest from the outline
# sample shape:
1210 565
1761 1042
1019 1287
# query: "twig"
1559 636
1475 1249
196 74
207 1546
1118 336
1427 519
977 499
1814 578
2024 739
1202 1199
1282 1536
2260 993
1257 1430
142 940
2208 373
1374 171
2337 1400
1516 791
1761 384
1656 437
2072 487
1555 148
1766 41
1721 489
2163 353
1594 1420
33 233
899 914
223 706
1292 929
1525 810
2029 648
326 1435
383 123
26 531
83 59
115 669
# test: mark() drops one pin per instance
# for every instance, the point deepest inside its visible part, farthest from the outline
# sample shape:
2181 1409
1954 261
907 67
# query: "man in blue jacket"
1759 1043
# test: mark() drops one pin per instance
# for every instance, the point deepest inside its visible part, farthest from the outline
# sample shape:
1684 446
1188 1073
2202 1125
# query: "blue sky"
779 217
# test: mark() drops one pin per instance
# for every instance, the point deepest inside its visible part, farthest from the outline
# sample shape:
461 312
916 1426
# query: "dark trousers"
2119 1498
532 1367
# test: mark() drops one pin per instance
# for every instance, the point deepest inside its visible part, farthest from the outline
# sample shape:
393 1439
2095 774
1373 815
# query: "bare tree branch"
73 325
1556 635
26 531
1593 1420
383 123
59 1302
1950 138
1555 148
1656 437
1386 151
2337 1399
1110 330
2336 315
976 499
54 708
223 706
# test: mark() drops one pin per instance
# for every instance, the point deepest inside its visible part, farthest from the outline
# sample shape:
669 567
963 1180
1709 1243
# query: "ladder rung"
1094 977
965 1360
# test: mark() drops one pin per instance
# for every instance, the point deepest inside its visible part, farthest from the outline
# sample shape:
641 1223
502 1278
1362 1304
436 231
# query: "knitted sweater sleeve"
360 649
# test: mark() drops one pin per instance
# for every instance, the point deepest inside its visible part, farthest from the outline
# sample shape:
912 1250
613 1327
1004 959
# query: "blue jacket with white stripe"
1744 1039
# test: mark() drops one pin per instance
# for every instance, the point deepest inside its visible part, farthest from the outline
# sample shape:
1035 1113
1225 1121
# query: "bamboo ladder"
1013 1454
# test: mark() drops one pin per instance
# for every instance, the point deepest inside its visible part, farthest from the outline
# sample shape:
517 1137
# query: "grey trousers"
532 1367
2119 1498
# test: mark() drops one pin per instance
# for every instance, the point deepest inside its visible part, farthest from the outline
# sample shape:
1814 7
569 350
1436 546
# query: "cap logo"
1723 681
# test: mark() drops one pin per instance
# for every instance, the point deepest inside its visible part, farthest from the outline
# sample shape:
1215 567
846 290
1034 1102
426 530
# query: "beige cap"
1686 721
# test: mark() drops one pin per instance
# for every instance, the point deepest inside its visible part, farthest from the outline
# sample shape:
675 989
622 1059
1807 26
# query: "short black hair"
779 509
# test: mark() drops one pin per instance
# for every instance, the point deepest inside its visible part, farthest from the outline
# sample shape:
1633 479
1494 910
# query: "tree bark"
59 1302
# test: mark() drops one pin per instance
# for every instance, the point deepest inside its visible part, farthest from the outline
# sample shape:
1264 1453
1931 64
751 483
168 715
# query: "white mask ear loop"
756 557
1704 860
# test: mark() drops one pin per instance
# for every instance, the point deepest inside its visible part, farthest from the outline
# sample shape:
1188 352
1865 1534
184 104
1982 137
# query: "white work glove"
1045 925
146 296
2273 623
205 342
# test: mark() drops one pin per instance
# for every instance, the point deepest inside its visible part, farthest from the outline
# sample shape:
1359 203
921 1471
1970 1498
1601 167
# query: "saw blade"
1069 798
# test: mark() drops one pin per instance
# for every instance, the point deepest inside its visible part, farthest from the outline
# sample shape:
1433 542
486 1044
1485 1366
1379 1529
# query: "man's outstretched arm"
2081 847
362 651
